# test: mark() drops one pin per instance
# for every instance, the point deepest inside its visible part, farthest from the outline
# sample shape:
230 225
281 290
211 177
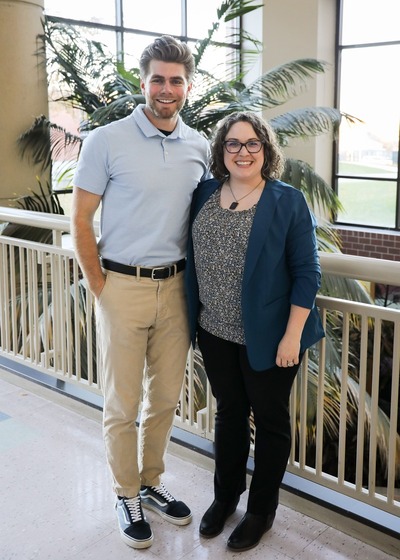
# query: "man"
143 169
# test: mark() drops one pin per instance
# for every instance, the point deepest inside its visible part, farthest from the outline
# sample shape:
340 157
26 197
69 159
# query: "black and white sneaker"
134 529
158 499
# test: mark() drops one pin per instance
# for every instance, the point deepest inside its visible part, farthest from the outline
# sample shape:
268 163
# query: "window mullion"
119 35
184 23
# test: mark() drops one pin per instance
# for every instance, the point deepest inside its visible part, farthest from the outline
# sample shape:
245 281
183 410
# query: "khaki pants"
140 322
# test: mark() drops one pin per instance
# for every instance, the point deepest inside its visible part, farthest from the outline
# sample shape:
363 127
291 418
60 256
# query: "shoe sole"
243 549
133 543
210 536
174 520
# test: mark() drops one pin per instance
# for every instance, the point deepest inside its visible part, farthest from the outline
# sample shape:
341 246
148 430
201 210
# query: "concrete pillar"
306 29
23 93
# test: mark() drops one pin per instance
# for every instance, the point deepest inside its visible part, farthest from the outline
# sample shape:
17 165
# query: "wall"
23 92
306 29
369 243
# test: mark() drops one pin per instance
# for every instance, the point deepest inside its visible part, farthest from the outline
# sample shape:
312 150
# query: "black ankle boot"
214 519
249 531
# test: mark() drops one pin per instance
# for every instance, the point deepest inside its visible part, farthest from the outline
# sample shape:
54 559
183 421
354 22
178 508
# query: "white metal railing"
47 321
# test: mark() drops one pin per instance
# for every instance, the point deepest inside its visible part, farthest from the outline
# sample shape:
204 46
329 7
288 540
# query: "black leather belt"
155 273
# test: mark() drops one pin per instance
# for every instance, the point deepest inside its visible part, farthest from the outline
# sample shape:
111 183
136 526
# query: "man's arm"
84 206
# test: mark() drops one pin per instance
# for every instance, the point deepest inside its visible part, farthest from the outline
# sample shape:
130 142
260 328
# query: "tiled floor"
56 502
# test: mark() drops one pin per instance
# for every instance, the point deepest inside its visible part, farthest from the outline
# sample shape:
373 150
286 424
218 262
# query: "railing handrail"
381 271
44 220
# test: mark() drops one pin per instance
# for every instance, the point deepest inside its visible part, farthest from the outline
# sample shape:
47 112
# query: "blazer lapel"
262 222
201 195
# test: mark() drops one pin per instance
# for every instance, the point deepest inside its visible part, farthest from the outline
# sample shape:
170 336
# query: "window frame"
120 29
340 48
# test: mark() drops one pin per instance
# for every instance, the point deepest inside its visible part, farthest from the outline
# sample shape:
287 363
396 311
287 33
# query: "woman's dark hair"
167 49
273 157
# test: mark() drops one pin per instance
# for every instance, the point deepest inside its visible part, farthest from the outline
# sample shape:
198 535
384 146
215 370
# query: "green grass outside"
367 202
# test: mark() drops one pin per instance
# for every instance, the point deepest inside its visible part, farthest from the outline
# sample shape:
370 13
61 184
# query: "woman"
252 276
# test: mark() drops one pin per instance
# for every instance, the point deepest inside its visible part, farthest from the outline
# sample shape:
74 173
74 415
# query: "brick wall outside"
368 243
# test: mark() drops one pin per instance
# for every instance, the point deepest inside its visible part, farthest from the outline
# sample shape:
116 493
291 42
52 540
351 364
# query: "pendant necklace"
235 204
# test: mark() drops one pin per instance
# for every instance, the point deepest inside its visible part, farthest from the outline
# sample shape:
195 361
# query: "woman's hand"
288 351
289 347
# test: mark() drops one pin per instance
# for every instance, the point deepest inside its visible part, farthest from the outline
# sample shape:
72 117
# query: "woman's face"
243 165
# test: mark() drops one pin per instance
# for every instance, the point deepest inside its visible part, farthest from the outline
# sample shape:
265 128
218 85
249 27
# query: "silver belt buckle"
172 271
156 268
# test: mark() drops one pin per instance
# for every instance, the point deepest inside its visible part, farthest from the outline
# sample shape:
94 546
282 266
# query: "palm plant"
90 79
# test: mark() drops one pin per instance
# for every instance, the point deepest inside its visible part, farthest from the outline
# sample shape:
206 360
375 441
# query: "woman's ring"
290 364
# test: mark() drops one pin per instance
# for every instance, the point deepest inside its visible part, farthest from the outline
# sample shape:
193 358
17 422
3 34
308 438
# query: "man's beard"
167 112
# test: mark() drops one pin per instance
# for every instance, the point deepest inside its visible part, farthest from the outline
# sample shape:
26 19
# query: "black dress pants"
238 389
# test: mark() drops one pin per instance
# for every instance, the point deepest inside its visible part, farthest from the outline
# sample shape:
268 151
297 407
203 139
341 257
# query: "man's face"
165 89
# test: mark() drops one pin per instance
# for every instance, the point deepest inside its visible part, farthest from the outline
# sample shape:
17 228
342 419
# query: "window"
367 176
134 28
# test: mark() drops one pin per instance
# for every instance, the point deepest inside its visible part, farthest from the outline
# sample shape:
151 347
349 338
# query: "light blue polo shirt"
146 181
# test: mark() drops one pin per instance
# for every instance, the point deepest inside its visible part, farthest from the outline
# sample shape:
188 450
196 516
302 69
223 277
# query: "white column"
306 29
23 92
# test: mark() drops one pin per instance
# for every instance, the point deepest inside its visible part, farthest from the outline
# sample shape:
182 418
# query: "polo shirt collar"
149 129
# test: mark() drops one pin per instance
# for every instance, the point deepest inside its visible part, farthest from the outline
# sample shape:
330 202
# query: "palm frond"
78 66
238 8
305 123
227 11
331 410
40 202
117 109
45 141
329 239
344 288
317 191
288 80
213 99
382 423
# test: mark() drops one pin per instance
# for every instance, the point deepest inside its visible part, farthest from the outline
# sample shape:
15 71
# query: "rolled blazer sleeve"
302 255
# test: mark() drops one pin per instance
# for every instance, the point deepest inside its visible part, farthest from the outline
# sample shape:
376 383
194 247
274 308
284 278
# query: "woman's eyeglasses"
234 147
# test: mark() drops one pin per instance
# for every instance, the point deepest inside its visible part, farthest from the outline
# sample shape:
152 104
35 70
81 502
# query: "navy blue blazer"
281 268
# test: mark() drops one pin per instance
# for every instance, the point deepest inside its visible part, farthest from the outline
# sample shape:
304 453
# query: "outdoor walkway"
57 504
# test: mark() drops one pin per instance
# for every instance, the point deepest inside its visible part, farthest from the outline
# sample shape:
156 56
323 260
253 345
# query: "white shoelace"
133 506
163 492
